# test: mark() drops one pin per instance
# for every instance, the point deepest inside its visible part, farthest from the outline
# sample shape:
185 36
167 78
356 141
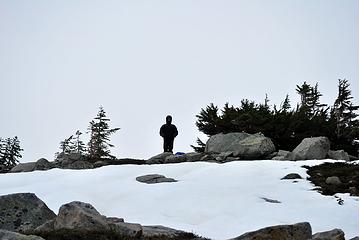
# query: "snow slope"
217 201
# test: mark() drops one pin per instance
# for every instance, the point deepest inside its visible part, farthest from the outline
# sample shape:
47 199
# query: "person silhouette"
168 131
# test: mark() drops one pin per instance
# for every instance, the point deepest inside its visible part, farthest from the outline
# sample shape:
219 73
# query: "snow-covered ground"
217 201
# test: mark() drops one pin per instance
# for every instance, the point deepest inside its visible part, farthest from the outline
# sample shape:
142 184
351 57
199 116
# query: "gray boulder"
154 178
24 167
335 234
334 180
354 238
282 155
312 148
81 216
41 164
160 158
194 156
79 165
160 231
78 216
7 235
243 145
292 176
338 155
175 159
299 231
23 211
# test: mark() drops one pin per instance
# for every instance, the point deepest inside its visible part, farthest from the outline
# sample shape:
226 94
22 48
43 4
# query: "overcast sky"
142 60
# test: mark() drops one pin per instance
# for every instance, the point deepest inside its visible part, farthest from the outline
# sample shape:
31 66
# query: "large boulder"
23 211
335 234
41 164
338 155
312 148
299 231
79 216
243 145
194 156
160 231
7 235
79 165
24 167
154 178
160 158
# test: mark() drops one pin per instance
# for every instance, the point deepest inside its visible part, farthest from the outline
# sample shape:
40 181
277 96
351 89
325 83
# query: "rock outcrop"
154 178
338 155
292 176
41 164
335 234
7 235
299 231
242 145
312 148
22 212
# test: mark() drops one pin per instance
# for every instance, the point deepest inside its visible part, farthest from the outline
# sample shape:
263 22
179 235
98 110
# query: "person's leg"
170 145
165 145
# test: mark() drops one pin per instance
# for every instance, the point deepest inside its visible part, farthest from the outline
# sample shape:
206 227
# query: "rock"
312 148
7 235
80 216
64 160
24 167
335 234
160 158
160 231
338 155
270 200
127 229
175 159
283 155
292 176
154 178
299 231
333 180
23 211
79 165
243 145
354 238
43 164
99 164
194 156
353 191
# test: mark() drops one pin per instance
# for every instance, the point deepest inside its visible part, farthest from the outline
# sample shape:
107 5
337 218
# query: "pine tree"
344 108
201 146
286 104
10 152
304 91
98 146
2 150
67 146
79 145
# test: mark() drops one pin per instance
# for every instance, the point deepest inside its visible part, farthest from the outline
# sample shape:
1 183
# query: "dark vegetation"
99 145
71 234
10 152
348 173
287 127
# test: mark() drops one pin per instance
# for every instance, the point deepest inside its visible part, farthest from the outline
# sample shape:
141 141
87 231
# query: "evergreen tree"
98 146
10 152
344 108
201 146
67 146
79 145
286 104
305 93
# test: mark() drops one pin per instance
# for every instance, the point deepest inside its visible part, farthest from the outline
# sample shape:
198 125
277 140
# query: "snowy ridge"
218 201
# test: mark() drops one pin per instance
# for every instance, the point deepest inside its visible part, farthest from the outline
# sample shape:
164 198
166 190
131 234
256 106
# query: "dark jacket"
168 131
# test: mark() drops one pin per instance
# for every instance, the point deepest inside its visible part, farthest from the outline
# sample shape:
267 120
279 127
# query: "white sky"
142 60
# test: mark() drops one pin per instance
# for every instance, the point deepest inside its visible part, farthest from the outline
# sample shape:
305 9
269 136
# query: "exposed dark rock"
270 200
335 234
299 231
8 235
334 180
338 155
292 176
22 212
154 178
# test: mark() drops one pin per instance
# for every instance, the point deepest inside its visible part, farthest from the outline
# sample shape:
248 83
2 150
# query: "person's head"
169 119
